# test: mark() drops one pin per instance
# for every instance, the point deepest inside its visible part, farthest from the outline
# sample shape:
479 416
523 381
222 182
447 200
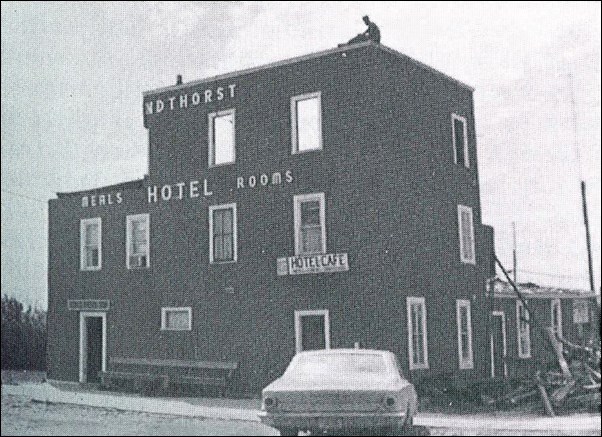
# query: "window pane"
467 241
459 139
418 349
308 124
223 139
177 319
310 213
91 234
311 239
138 238
223 234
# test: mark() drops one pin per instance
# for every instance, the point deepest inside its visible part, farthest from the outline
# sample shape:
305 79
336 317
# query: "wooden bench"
158 374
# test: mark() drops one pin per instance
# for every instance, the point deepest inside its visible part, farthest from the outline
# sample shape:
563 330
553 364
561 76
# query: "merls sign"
190 99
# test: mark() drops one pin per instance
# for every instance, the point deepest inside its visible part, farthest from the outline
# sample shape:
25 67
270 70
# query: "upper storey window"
306 122
221 138
90 244
460 140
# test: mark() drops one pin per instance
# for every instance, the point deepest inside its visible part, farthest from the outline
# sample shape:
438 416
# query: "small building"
326 201
518 347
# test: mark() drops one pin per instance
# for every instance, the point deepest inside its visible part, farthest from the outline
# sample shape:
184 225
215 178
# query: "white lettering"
159 105
166 192
194 189
264 179
171 100
240 182
196 98
252 181
276 178
232 90
181 189
183 100
85 202
206 191
220 93
92 200
101 200
208 96
119 198
152 194
149 107
289 176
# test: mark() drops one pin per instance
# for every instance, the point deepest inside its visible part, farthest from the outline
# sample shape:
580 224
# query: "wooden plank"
544 397
224 365
559 354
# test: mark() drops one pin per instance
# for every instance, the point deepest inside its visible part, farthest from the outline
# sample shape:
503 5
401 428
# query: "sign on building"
304 264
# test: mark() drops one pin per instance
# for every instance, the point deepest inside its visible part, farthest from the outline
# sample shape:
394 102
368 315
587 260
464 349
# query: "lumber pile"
573 386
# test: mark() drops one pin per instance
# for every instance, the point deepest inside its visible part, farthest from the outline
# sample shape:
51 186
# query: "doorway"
92 346
499 368
312 330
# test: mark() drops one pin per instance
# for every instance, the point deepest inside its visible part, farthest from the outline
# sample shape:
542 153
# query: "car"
340 391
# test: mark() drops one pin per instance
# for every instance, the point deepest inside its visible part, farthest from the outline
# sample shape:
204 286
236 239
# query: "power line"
24 196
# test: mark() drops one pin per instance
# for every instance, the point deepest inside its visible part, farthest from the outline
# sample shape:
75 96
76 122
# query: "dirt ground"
21 416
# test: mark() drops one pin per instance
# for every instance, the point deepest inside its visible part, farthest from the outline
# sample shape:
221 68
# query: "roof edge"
296 59
136 183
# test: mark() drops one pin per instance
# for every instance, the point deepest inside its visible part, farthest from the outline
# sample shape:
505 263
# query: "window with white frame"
464 324
221 138
176 319
90 244
523 331
138 241
460 140
223 233
417 334
557 316
466 229
310 223
306 122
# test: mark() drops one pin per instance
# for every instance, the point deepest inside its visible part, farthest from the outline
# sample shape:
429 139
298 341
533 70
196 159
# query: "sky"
73 76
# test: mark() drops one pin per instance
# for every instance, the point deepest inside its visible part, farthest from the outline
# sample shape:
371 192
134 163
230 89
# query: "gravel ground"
21 416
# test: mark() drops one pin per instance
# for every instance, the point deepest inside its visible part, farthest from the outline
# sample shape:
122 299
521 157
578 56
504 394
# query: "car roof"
345 351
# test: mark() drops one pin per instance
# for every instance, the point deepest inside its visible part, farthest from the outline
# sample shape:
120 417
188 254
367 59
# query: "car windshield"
337 366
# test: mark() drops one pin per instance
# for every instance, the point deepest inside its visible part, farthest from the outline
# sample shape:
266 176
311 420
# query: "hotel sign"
320 263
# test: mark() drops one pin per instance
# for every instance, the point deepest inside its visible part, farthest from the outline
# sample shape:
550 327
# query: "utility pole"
514 264
583 193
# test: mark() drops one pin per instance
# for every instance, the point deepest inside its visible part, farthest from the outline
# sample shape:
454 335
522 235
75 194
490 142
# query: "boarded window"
223 234
417 335
464 323
306 122
466 228
221 138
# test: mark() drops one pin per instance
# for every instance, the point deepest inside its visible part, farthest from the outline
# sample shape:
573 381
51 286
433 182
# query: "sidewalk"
247 409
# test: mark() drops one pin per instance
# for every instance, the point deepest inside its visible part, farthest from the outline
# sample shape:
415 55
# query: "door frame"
298 331
505 348
83 343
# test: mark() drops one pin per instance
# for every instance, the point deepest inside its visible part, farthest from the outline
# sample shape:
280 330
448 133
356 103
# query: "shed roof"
503 289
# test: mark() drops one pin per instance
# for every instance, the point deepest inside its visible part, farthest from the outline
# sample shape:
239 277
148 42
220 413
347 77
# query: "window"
137 241
310 224
464 323
312 330
417 336
222 231
221 138
557 317
466 229
523 331
176 319
90 244
306 122
460 140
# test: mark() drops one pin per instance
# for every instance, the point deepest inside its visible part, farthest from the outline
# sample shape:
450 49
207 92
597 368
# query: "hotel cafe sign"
319 263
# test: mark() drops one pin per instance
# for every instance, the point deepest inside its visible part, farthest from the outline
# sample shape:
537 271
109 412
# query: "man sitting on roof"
371 34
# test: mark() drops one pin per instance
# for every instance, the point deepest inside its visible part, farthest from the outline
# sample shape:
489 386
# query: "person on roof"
371 34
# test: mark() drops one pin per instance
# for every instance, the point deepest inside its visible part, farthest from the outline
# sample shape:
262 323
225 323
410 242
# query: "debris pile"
575 386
